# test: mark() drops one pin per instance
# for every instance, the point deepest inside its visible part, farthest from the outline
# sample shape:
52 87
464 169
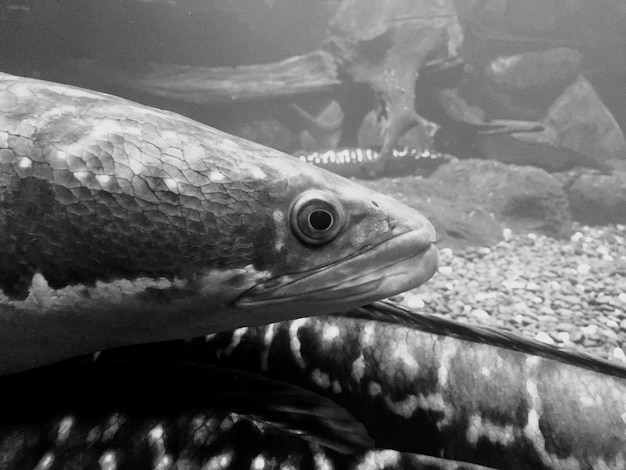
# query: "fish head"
332 244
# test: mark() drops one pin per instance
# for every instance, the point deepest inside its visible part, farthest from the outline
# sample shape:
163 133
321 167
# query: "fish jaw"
399 263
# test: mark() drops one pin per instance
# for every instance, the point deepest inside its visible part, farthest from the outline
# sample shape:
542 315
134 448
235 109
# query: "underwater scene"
312 234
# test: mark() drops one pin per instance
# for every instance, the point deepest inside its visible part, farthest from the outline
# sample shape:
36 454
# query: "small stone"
544 337
512 284
507 233
577 335
622 325
583 268
546 319
609 334
482 296
576 237
612 324
622 297
563 337
415 302
445 270
590 330
480 314
618 353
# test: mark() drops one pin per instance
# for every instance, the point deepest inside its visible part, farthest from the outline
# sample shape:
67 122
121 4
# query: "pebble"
480 314
618 353
572 291
544 337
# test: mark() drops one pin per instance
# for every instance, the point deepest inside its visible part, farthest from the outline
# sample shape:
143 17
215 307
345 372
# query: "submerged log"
313 72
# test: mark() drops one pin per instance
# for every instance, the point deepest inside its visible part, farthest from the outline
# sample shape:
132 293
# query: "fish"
124 224
127 415
360 163
430 385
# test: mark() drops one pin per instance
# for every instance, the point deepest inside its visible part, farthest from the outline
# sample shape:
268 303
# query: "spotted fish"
124 224
435 386
132 415
364 163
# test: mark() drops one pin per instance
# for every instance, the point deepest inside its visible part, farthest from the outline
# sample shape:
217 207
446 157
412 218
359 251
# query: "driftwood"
312 72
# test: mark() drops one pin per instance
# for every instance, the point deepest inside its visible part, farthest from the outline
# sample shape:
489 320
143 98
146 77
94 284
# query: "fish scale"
123 224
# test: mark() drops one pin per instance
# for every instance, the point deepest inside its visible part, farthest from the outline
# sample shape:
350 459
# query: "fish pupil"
320 220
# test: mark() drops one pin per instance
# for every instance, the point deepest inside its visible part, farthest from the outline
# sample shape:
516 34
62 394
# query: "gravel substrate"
571 293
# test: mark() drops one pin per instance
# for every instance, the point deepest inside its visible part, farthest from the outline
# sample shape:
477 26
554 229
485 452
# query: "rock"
521 198
535 70
540 149
599 199
458 220
584 124
544 337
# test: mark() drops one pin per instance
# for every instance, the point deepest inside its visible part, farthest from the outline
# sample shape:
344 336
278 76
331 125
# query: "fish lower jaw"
397 265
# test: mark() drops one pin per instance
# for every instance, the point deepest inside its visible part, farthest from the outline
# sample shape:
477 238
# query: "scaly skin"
438 387
123 224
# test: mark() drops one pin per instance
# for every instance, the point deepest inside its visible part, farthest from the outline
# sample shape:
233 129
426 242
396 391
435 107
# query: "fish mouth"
396 265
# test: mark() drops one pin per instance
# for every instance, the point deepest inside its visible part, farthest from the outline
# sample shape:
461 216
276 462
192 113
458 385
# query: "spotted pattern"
361 163
439 395
210 439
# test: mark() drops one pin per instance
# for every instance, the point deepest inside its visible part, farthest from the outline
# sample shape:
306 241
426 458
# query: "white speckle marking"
171 184
46 461
103 179
330 332
322 379
216 176
219 462
358 368
108 461
156 433
237 335
374 389
65 426
404 355
368 337
294 342
258 463
24 162
269 337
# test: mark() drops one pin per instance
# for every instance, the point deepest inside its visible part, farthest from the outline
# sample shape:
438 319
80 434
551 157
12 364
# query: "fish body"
124 224
433 386
361 163
125 415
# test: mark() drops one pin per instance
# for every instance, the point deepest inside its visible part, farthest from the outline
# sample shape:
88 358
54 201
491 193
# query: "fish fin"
383 459
389 312
84 385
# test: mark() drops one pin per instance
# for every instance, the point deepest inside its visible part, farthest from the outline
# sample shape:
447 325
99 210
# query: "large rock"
534 70
470 202
541 149
599 199
459 222
521 198
584 124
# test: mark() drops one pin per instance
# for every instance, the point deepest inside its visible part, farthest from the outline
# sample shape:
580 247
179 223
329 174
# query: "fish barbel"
123 224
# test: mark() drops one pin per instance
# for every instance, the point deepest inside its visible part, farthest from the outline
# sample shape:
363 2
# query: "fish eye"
317 218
